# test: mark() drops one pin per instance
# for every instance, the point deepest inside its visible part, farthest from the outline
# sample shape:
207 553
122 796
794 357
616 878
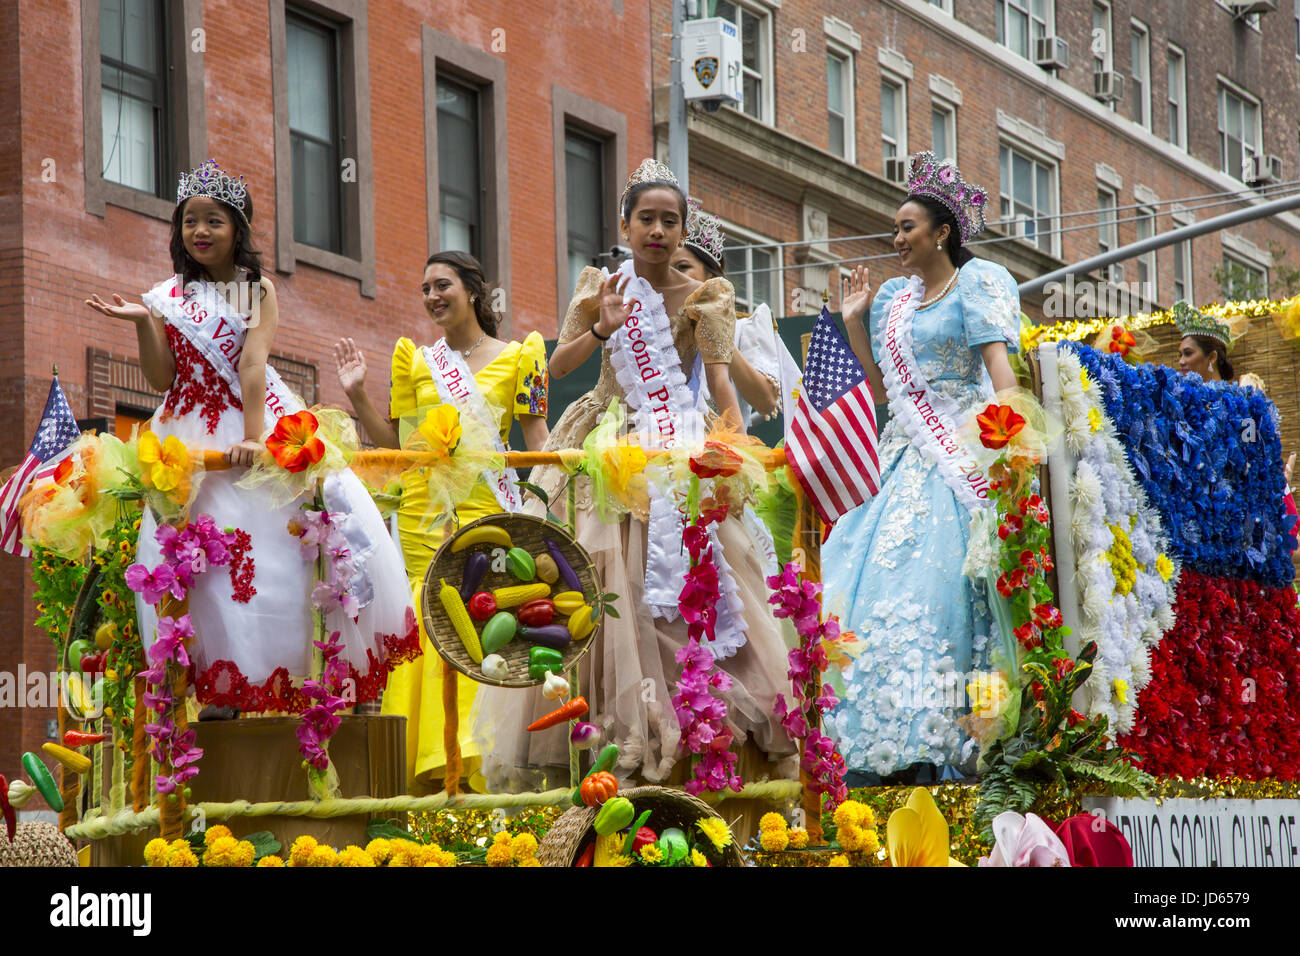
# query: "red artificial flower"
1048 615
1075 718
1029 635
294 444
1121 340
1010 581
1036 688
716 460
1027 561
1063 666
998 425
1011 524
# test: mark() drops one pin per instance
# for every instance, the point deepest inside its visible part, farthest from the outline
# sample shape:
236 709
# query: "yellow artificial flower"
501 836
499 854
441 428
1121 689
851 813
531 861
698 858
221 852
1083 377
716 830
1094 419
839 859
180 854
216 832
771 821
244 853
354 856
270 860
918 833
323 856
301 851
651 853
622 462
523 847
443 858
380 850
870 841
407 853
609 851
1164 567
774 840
798 838
168 462
988 694
155 852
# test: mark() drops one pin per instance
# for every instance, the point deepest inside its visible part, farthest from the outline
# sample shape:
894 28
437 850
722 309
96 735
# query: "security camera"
618 252
710 106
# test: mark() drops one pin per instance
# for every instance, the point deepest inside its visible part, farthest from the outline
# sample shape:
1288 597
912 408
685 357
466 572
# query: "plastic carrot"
570 711
76 738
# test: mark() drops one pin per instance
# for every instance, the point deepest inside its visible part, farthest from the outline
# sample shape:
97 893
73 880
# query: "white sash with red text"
216 329
928 416
456 386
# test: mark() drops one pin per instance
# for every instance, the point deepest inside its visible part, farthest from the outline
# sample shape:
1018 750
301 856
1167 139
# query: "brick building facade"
520 79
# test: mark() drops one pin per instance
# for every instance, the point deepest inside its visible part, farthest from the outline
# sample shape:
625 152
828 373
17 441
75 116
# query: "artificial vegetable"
537 613
584 735
614 815
79 738
543 659
93 664
482 606
77 698
10 814
546 569
20 793
455 608
495 667
561 563
555 687
570 711
598 788
566 602
521 594
520 563
77 763
105 635
498 632
604 761
632 843
77 650
580 623
488 534
43 780
553 635
588 855
673 844
476 565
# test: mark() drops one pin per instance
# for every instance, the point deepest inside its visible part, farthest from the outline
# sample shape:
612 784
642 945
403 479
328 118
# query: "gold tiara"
650 171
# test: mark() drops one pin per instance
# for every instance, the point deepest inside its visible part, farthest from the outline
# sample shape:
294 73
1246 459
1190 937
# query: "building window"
753 266
944 5
839 102
943 129
1140 74
1022 22
584 177
314 131
1146 262
320 88
755 27
460 209
135 65
1239 130
1183 271
1177 97
893 118
1242 280
1028 197
1102 55
1107 227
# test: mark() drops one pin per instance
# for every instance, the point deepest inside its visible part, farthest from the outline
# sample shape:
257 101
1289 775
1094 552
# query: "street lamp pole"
678 150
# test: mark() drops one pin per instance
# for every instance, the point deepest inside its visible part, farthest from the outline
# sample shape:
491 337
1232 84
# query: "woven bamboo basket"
526 532
568 837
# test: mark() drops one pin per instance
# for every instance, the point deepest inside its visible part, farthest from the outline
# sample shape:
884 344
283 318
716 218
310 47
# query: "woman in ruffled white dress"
205 335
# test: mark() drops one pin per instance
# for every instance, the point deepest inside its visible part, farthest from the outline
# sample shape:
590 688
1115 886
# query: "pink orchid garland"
801 602
700 714
186 552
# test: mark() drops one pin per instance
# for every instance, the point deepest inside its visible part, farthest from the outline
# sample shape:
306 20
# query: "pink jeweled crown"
702 232
650 171
208 180
941 181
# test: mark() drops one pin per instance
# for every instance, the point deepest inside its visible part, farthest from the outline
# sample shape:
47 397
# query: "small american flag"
832 441
54 436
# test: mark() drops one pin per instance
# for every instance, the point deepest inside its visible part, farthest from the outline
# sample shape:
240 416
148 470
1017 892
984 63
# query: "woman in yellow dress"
508 382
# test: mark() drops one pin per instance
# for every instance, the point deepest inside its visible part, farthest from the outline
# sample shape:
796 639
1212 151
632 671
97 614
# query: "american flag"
831 445
54 436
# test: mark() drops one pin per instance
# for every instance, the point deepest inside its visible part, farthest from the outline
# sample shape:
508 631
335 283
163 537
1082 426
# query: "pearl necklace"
946 289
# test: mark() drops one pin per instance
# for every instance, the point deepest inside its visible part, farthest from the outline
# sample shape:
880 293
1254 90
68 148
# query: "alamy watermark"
1094 299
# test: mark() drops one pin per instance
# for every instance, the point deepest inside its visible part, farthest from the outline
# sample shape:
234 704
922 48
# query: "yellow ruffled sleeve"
530 377
712 310
584 307
401 391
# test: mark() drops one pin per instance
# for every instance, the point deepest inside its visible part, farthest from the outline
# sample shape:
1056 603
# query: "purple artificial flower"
152 585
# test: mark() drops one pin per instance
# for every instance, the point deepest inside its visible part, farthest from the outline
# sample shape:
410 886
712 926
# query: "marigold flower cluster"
855 825
517 850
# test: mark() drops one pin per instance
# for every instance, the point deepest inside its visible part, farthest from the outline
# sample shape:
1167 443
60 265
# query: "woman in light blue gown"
892 568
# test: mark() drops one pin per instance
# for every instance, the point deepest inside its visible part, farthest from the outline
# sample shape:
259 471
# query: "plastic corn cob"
77 763
520 594
489 534
455 609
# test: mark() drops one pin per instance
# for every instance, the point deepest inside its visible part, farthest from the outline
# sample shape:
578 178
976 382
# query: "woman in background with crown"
509 384
205 335
628 676
938 348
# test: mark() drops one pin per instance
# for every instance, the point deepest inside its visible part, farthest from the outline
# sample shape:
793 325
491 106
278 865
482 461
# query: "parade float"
1139 547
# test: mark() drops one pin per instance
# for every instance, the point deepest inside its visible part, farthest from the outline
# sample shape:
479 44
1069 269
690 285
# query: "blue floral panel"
1210 459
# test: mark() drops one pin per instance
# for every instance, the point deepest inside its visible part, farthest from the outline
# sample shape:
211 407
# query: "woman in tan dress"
629 676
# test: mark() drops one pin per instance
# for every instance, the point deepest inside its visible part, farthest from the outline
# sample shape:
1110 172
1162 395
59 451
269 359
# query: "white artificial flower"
883 757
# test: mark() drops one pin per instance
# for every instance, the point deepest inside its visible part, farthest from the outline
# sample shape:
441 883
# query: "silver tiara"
941 181
702 232
208 180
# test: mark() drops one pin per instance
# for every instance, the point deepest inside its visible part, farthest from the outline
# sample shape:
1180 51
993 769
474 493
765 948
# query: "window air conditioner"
1108 86
896 170
1052 53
